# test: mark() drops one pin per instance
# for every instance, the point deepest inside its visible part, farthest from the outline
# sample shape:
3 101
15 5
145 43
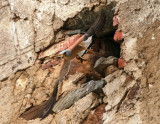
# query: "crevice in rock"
103 46
135 19
35 32
121 101
84 19
16 18
4 79
4 6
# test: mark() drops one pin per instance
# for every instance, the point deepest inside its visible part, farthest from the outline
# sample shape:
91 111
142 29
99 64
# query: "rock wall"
29 27
137 20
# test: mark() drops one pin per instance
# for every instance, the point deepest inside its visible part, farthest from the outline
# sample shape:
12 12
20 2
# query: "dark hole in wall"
16 18
107 48
105 37
86 18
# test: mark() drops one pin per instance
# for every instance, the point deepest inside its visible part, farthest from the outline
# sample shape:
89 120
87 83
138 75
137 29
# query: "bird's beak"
62 55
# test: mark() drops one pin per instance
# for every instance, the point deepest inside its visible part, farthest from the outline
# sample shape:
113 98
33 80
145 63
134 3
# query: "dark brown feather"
97 25
44 109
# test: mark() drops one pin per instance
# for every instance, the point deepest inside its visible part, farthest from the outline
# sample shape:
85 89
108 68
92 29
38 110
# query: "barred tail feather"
43 110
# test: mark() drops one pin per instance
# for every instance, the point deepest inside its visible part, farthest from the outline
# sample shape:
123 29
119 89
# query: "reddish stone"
53 50
121 63
96 117
51 63
132 93
51 70
118 36
99 112
115 21
91 119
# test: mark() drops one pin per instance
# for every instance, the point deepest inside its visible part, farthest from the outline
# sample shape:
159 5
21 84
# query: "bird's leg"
71 48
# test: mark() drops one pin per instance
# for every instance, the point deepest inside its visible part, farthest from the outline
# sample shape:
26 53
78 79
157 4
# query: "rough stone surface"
78 111
102 63
117 85
64 12
95 117
140 24
31 26
129 49
74 95
86 18
28 27
17 40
